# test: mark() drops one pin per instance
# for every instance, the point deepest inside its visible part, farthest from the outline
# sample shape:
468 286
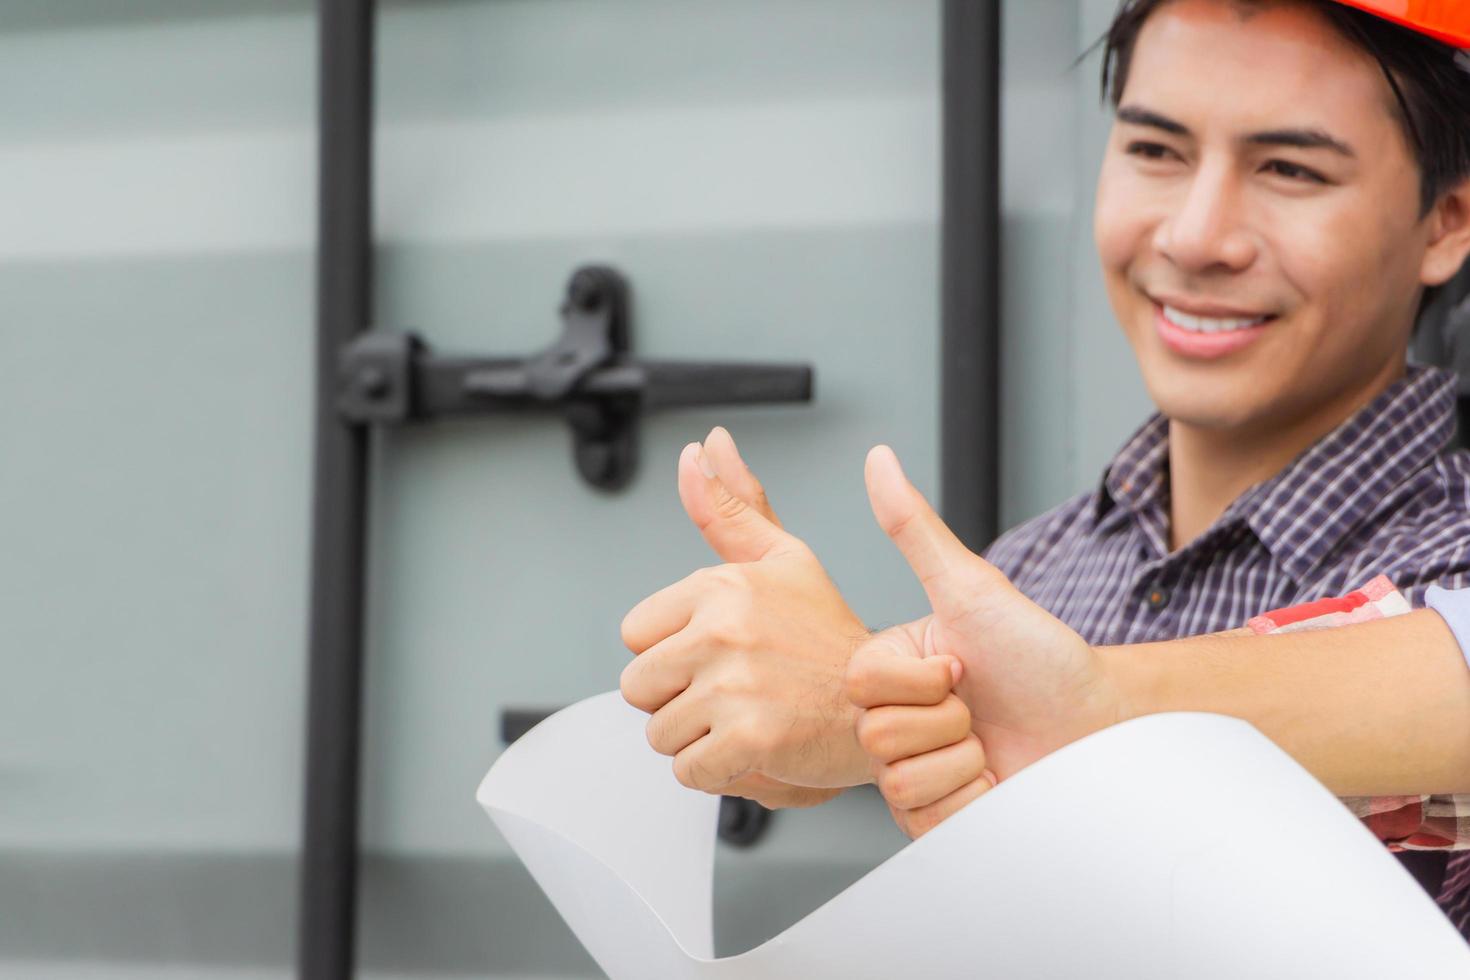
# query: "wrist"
857 769
1133 674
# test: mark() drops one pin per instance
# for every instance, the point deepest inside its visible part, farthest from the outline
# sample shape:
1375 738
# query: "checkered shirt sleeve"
1403 823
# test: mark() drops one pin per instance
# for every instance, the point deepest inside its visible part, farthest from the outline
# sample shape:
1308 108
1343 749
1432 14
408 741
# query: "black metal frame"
970 262
969 437
327 914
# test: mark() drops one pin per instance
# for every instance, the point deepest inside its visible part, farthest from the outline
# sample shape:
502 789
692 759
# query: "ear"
1449 241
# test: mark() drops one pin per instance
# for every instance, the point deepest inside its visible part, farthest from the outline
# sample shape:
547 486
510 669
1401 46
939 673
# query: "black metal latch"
388 378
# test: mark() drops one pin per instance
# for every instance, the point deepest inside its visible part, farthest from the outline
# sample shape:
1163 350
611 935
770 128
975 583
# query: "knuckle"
727 506
956 710
936 683
923 820
633 688
876 735
683 772
894 786
724 631
741 600
902 819
859 681
954 718
691 771
736 680
711 579
752 738
883 648
977 752
797 548
628 630
657 732
730 579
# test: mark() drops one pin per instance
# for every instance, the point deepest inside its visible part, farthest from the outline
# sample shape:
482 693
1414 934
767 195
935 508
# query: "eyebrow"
1302 139
1139 116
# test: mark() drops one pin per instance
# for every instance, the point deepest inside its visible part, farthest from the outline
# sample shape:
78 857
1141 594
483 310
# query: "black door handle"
588 375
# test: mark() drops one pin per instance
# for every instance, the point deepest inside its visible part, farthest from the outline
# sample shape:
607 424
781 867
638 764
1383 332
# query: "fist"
925 758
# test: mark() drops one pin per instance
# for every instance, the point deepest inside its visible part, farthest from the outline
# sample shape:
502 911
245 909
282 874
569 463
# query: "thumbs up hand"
1030 683
741 665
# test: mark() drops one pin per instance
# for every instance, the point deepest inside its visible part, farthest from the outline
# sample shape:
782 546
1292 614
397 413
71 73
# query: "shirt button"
1158 598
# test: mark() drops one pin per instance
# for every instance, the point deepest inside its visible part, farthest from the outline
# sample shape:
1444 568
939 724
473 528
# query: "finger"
937 557
735 530
664 613
660 674
920 820
894 732
719 449
678 724
923 779
706 765
880 673
776 795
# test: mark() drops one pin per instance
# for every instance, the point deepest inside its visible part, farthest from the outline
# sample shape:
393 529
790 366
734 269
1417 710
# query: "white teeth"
1204 324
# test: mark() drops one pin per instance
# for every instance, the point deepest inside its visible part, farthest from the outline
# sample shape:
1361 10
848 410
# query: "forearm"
1379 709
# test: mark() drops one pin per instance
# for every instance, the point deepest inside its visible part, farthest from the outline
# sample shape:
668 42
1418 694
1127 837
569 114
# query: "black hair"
1430 81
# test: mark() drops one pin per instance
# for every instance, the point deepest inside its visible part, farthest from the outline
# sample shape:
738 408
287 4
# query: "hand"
742 665
926 760
1032 684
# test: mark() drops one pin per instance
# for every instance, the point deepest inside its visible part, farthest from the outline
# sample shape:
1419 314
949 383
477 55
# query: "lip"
1205 346
1211 311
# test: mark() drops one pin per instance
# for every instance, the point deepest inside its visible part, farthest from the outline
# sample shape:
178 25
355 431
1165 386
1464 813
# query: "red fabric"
1311 610
1401 822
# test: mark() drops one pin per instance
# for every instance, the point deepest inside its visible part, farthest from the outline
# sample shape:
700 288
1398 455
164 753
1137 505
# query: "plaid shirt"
1379 495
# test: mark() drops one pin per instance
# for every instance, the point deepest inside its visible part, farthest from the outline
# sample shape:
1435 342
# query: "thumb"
736 531
900 666
944 566
719 448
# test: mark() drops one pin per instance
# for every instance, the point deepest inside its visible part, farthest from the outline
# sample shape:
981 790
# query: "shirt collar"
1304 511
1136 485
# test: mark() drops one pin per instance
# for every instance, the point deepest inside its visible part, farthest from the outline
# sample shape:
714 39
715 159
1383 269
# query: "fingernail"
730 439
991 777
955 670
705 466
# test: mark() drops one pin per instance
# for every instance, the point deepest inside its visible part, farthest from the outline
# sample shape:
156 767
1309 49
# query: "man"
1380 709
1284 182
1266 248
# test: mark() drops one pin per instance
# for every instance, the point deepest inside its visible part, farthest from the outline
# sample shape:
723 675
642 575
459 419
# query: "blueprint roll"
1184 845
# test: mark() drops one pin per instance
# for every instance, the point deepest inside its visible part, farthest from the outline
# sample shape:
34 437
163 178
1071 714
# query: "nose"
1206 231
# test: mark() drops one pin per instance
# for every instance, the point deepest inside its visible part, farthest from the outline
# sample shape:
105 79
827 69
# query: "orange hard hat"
1447 20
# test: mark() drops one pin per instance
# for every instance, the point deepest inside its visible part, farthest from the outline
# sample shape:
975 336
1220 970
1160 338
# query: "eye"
1294 171
1149 151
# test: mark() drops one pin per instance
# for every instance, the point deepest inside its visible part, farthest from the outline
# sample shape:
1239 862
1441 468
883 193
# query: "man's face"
1258 217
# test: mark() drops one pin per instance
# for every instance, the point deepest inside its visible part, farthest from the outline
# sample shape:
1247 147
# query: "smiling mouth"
1211 325
1208 338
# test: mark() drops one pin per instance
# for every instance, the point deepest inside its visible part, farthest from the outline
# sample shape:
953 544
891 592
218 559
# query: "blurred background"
767 176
